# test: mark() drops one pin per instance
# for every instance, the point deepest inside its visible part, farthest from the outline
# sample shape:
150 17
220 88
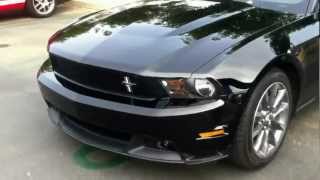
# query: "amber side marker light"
217 132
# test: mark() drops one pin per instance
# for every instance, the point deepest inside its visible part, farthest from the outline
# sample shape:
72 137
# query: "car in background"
36 8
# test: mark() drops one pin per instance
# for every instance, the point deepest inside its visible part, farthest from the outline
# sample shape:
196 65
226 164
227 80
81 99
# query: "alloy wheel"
43 7
270 120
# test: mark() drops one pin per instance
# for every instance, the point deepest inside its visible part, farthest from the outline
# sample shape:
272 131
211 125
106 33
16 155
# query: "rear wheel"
263 125
40 8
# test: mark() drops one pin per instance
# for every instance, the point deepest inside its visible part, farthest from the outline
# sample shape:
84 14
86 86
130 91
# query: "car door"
308 46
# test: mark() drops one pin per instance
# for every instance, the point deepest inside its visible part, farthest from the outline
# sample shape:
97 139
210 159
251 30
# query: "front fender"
240 67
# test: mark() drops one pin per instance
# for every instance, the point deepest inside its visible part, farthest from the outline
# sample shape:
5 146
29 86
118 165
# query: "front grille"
107 84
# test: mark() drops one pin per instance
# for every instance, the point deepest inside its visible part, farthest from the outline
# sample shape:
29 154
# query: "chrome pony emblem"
128 84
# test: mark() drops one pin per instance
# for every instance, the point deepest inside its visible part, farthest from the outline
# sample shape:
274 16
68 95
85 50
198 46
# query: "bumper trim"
131 149
49 80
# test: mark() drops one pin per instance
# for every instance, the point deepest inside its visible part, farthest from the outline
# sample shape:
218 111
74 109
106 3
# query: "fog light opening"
165 144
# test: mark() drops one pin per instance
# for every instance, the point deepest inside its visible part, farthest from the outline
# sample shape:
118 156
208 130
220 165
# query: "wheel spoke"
38 6
265 146
272 138
283 107
266 101
261 114
259 141
257 130
280 95
273 91
278 125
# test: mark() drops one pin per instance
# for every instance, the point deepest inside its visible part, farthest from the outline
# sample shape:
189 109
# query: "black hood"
163 38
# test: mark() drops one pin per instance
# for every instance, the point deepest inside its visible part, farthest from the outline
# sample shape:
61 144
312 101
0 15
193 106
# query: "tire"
32 7
244 151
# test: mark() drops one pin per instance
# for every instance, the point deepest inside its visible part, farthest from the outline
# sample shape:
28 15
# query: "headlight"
204 87
190 88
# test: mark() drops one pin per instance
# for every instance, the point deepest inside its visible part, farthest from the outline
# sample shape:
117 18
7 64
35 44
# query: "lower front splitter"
134 148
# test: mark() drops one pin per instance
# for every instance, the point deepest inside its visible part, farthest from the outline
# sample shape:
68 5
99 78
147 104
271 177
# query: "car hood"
162 38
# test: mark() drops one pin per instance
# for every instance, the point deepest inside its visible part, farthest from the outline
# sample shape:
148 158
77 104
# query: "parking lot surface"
32 148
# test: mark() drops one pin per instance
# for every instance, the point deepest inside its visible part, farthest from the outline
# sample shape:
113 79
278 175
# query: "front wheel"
40 8
263 125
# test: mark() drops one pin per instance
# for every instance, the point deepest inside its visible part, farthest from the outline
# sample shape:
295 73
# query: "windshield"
290 6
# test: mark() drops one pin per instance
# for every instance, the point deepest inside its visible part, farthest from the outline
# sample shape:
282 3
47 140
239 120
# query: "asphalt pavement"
32 148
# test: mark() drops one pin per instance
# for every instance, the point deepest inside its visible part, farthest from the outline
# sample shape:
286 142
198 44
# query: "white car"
36 8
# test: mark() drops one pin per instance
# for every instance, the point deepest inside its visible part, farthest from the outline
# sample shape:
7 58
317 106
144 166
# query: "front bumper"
135 148
90 120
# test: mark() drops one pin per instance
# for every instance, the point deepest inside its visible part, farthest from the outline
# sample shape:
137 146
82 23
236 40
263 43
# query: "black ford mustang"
185 81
